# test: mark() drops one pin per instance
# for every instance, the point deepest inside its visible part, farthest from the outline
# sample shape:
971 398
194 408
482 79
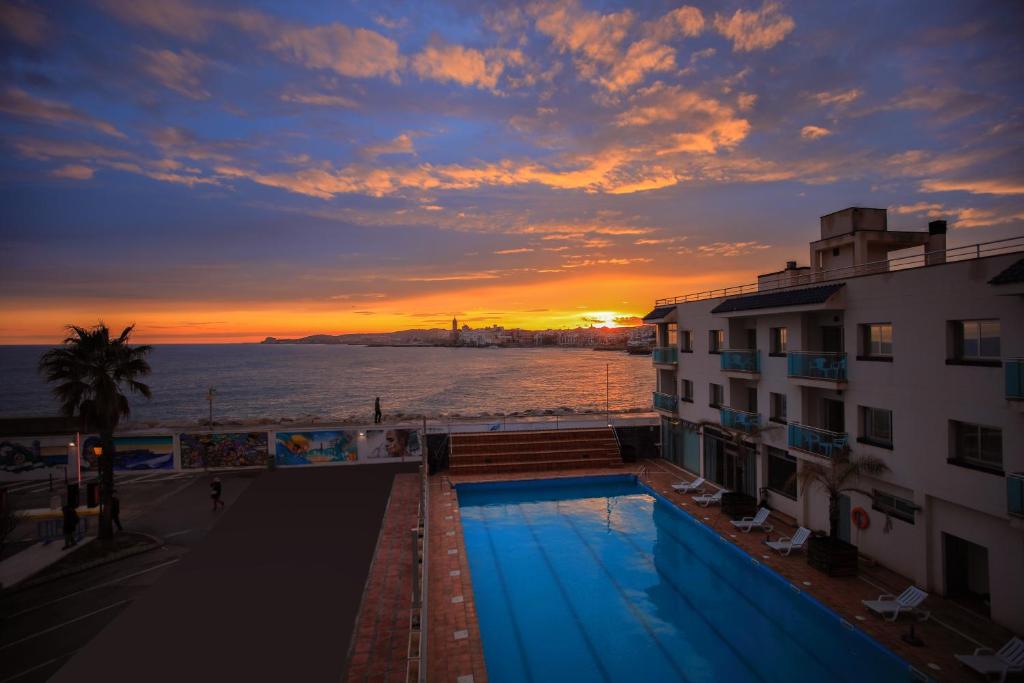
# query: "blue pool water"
596 579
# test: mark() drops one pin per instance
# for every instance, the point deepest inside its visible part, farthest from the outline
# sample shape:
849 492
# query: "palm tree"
92 372
840 475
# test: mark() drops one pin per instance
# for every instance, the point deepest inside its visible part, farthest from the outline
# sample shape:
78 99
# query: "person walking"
115 510
215 490
376 411
70 525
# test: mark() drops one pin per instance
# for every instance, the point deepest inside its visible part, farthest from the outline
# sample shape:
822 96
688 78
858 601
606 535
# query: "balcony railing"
741 360
739 419
817 365
817 441
665 401
1015 494
667 355
1014 369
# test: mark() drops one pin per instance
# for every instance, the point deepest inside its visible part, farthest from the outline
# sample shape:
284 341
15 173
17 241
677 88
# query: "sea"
275 383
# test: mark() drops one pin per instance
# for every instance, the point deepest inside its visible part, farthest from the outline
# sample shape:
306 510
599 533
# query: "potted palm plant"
830 554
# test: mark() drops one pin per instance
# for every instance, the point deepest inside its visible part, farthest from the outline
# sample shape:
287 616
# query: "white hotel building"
915 359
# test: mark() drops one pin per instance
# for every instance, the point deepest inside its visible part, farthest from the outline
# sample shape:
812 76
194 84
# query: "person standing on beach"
115 510
376 411
215 490
70 525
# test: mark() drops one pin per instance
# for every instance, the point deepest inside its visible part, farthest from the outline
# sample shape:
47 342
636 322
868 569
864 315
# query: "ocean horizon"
281 383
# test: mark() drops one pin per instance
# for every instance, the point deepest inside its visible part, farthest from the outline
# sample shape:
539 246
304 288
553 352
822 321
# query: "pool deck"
455 653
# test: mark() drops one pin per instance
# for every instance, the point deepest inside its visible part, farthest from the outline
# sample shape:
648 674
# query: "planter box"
739 505
832 556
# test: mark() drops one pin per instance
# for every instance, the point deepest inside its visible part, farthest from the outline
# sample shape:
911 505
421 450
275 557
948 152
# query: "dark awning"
658 313
781 299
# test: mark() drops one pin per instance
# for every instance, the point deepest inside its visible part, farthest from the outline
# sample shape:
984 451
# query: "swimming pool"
600 579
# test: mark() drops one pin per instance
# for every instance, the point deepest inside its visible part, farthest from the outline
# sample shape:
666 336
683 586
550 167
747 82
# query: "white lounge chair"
1008 660
707 499
695 485
788 544
890 606
755 522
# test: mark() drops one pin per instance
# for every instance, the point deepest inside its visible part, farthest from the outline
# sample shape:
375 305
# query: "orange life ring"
860 518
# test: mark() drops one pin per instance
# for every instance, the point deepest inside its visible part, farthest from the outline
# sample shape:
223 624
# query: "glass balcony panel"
817 441
665 354
665 401
817 365
1015 494
1014 370
739 419
741 360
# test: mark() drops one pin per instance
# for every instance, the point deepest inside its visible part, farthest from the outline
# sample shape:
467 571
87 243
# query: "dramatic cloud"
359 53
838 97
461 65
399 145
975 186
814 132
755 30
176 71
19 103
73 172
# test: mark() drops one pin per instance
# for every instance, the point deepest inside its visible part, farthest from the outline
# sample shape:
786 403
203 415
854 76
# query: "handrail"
962 253
819 430
618 443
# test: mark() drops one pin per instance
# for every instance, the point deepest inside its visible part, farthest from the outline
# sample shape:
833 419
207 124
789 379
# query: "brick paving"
951 630
380 647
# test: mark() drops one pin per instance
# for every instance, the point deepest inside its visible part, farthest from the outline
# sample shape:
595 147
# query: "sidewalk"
34 559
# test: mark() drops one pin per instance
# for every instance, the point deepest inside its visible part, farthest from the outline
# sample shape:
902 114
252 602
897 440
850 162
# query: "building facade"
916 360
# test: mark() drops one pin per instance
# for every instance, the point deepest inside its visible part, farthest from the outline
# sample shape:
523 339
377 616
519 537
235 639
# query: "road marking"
177 533
62 625
92 588
39 666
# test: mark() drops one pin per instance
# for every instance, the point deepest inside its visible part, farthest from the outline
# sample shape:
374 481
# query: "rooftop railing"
817 441
817 365
1014 369
964 253
741 360
739 419
665 355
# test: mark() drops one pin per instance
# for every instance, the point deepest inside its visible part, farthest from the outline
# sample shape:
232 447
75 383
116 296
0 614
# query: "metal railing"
422 590
739 419
1015 494
1014 371
1008 245
817 441
665 401
741 360
667 355
817 365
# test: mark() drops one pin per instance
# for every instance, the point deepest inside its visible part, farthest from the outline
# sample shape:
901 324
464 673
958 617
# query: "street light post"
210 393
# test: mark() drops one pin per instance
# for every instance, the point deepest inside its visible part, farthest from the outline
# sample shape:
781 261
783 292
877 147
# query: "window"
976 339
781 472
716 395
779 341
977 446
876 426
687 391
716 341
672 334
752 400
778 413
894 506
686 341
878 340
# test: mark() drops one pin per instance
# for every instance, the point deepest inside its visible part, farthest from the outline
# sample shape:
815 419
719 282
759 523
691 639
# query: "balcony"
739 419
1015 494
741 363
816 441
665 355
666 402
1014 371
817 369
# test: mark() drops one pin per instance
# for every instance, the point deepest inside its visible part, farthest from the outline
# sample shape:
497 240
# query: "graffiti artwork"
132 453
391 443
23 456
224 450
308 448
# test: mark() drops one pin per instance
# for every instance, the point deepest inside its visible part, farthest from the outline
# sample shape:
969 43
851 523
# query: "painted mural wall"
34 457
240 449
133 453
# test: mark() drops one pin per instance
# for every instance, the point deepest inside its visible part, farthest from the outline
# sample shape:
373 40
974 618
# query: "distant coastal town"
637 339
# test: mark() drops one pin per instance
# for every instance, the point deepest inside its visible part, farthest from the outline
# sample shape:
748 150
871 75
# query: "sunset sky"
219 171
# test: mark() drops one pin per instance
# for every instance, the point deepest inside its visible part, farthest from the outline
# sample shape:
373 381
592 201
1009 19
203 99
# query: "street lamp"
71 454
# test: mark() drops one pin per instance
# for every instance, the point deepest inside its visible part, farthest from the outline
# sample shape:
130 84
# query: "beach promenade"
271 594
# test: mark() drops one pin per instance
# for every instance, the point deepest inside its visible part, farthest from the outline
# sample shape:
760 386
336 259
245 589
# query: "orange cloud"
17 102
461 65
24 23
73 172
177 72
357 53
319 99
837 97
755 30
402 144
814 132
975 186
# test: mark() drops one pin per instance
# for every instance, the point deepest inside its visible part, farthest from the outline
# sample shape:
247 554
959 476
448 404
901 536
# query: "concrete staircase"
528 451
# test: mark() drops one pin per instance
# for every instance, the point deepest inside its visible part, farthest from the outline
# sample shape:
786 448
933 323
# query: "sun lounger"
755 522
709 498
1009 659
695 485
788 544
890 606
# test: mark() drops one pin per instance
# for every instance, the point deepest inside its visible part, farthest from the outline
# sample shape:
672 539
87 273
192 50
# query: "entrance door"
835 418
751 338
844 518
832 339
966 566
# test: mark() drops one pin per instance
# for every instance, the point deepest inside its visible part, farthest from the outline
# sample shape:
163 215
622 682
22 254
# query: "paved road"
41 627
